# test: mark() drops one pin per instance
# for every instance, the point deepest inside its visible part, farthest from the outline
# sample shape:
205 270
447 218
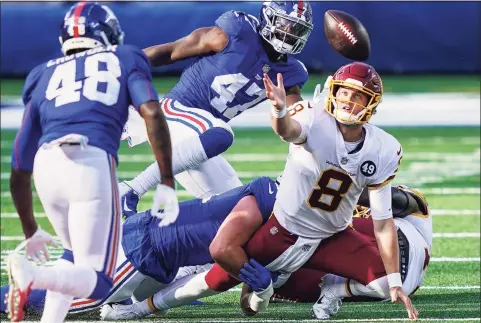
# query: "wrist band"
394 280
279 113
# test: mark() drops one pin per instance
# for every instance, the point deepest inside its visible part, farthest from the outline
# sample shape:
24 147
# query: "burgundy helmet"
362 78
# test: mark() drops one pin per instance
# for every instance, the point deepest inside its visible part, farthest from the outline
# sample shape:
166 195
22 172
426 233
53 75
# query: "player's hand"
36 246
166 205
398 296
275 93
256 276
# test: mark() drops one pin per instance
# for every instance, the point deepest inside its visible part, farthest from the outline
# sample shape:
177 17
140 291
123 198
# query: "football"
347 35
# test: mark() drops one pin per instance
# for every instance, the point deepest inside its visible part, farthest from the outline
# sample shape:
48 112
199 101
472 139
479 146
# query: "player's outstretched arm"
284 126
200 42
387 240
159 137
227 247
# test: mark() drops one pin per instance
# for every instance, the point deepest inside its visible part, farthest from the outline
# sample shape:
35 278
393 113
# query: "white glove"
320 89
165 198
36 246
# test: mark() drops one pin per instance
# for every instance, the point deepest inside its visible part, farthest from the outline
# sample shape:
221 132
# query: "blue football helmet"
286 25
88 25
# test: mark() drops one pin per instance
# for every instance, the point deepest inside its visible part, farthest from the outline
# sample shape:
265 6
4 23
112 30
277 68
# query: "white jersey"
321 183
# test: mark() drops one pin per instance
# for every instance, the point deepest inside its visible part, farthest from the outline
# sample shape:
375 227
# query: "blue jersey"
160 252
231 81
87 93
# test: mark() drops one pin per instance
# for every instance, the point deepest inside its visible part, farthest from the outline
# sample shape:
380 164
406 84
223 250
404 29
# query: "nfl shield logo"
266 68
344 160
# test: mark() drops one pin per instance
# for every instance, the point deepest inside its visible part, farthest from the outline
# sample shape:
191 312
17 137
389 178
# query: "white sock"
188 154
336 285
77 281
56 307
180 292
146 180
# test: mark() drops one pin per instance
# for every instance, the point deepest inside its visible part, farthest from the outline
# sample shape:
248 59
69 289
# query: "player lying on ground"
76 108
302 285
225 80
151 256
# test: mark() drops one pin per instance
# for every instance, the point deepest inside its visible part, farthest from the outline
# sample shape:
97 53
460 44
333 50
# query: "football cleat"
326 306
116 312
20 278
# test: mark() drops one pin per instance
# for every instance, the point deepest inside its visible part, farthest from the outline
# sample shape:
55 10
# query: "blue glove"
256 276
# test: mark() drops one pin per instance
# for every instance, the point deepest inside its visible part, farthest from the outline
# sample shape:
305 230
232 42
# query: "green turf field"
443 162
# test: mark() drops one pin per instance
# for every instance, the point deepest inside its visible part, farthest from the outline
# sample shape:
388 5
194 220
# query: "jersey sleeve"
295 74
139 80
235 23
380 201
26 142
388 171
302 112
264 190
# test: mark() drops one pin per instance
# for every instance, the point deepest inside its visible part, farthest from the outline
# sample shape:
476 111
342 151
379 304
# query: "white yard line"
426 191
131 174
434 212
453 235
456 235
261 157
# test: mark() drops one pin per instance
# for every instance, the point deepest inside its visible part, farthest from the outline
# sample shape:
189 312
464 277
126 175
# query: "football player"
153 257
302 285
334 154
224 81
414 225
196 216
76 107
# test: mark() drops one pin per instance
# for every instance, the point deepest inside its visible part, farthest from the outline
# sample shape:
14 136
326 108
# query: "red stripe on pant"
113 247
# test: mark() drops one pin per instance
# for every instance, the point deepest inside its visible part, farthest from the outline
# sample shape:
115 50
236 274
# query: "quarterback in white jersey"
334 154
414 223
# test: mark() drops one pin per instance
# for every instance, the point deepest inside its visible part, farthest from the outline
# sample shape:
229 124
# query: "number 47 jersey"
322 181
231 81
87 93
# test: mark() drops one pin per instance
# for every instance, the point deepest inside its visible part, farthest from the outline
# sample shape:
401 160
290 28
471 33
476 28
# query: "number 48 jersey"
87 93
322 182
